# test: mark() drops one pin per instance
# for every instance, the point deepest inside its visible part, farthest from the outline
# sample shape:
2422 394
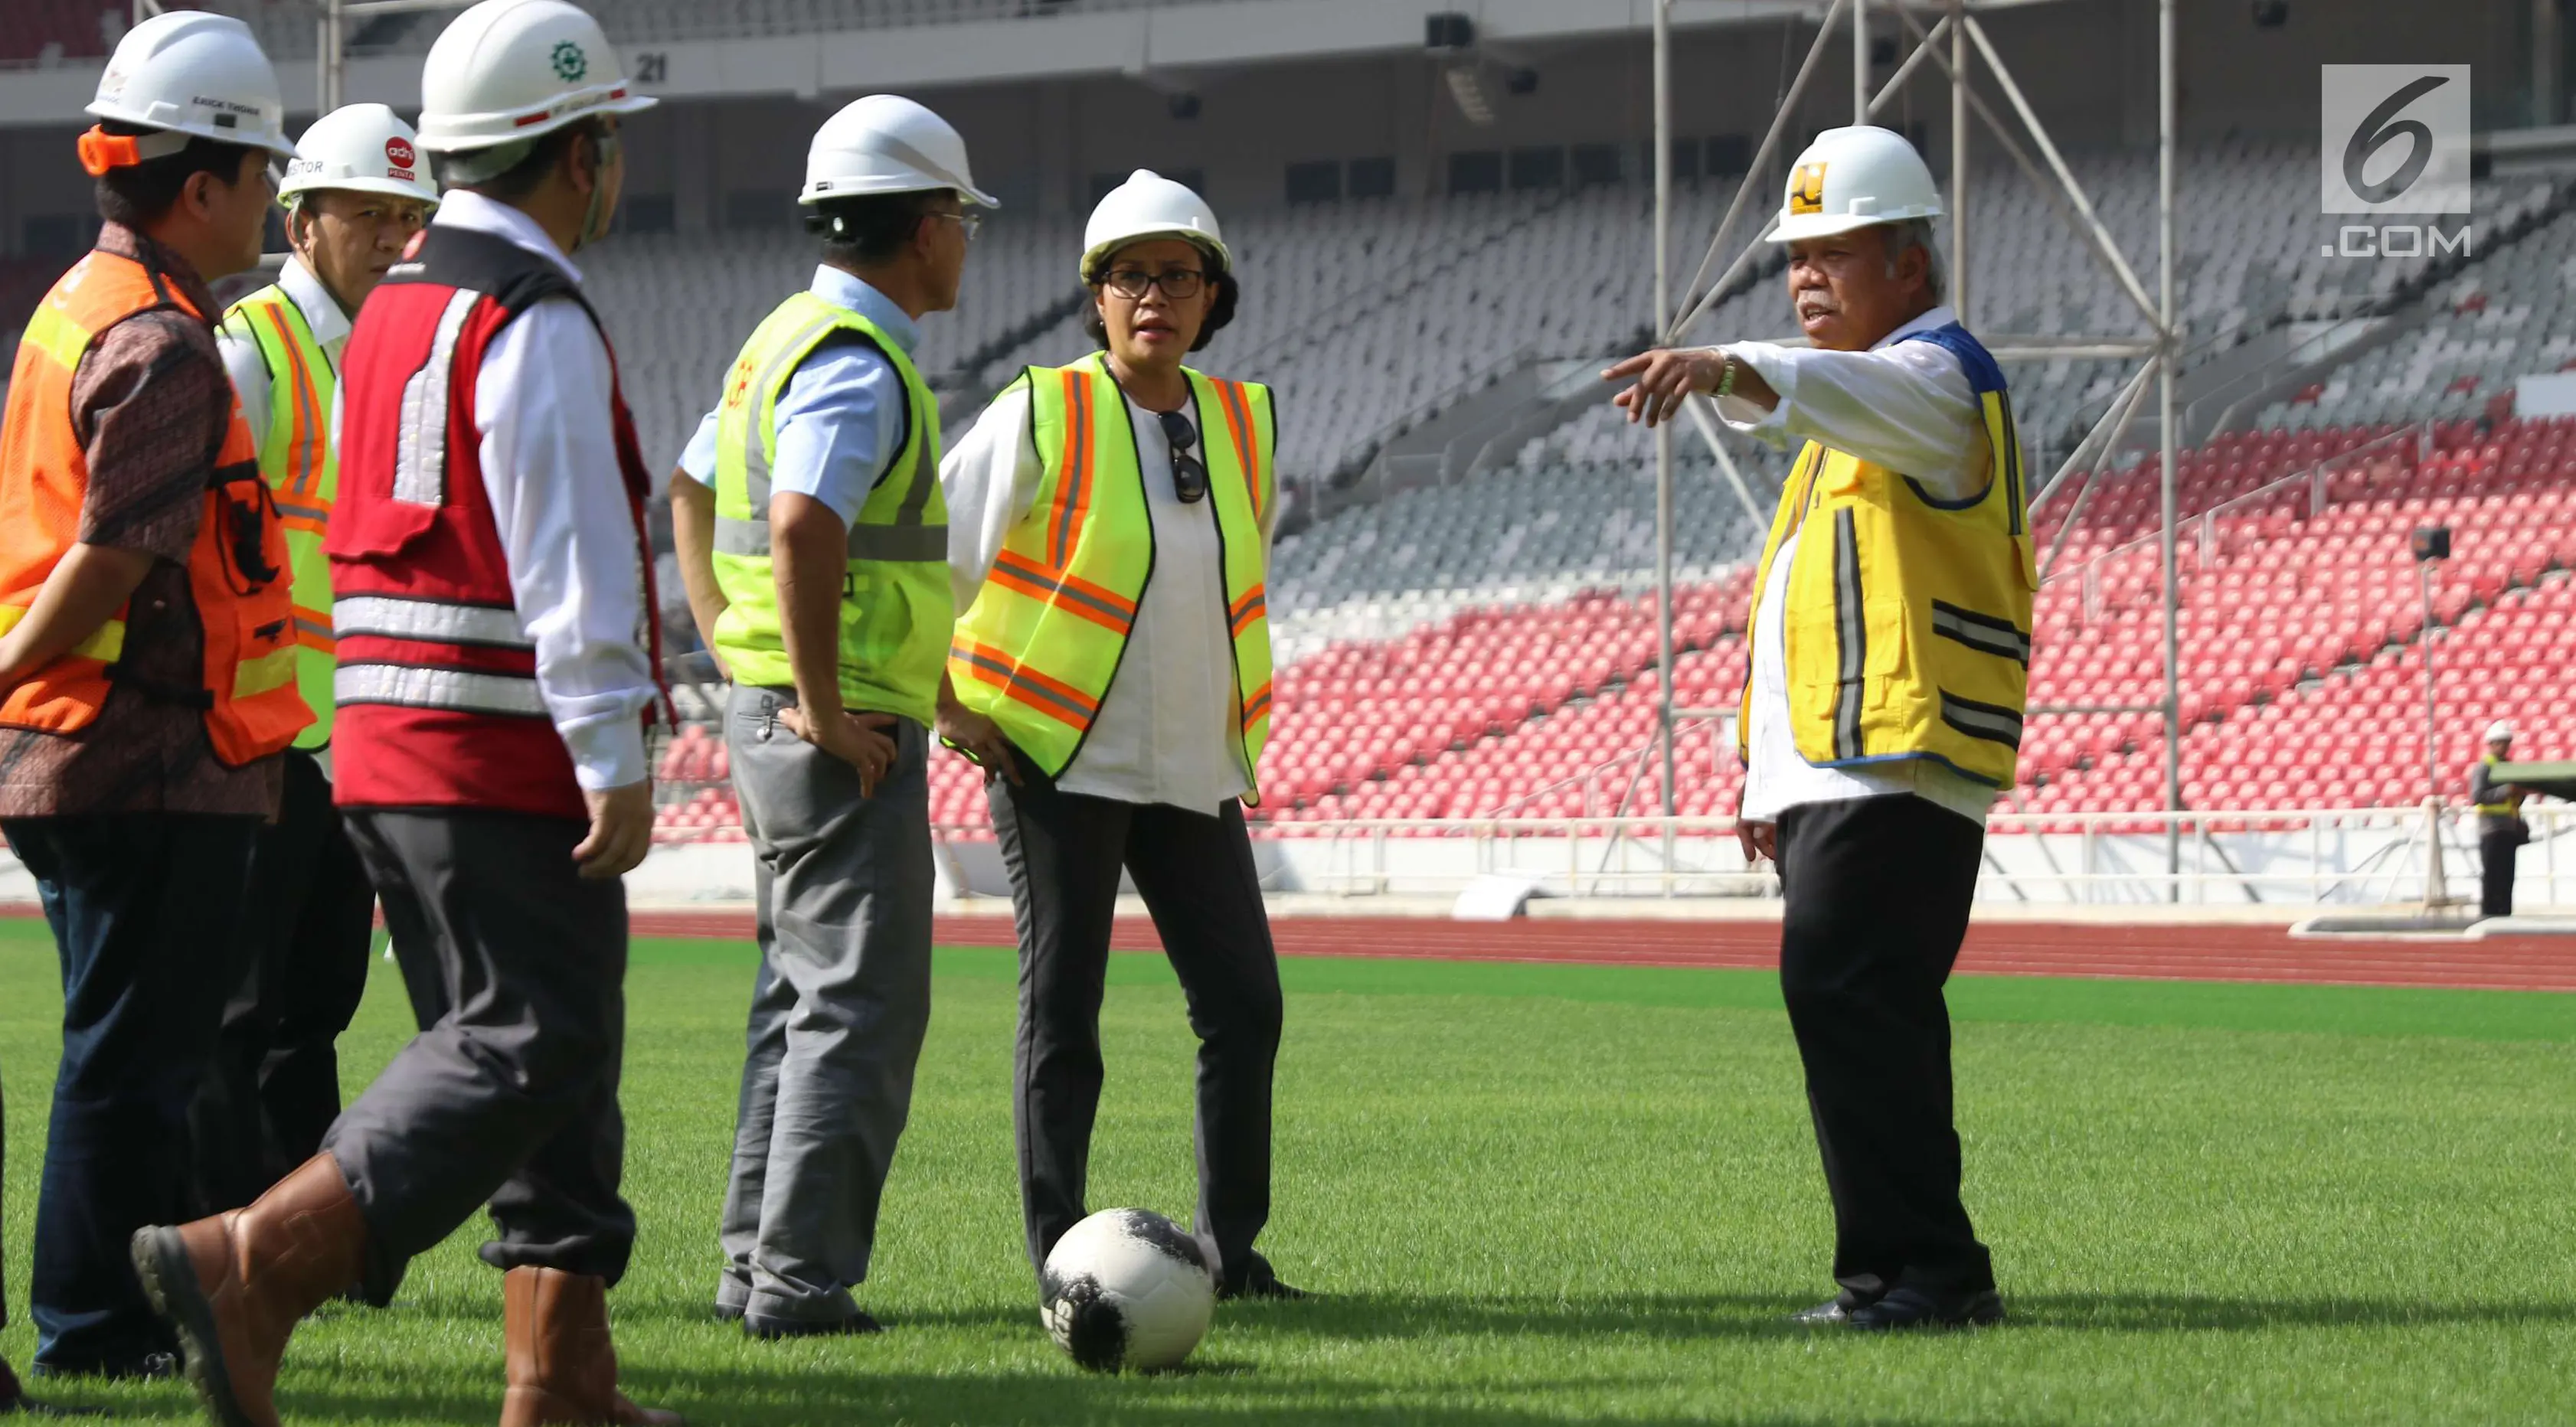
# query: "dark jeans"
2498 850
1195 872
142 906
1876 894
510 1099
302 961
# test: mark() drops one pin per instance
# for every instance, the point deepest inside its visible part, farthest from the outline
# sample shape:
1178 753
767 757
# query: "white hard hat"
512 70
2501 731
363 148
885 143
186 73
1855 177
1149 205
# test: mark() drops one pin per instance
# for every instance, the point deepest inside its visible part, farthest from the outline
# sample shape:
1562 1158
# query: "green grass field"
1541 1194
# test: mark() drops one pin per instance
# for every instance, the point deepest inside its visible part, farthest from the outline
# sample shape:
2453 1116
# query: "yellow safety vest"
1037 651
303 475
1908 617
2511 807
896 608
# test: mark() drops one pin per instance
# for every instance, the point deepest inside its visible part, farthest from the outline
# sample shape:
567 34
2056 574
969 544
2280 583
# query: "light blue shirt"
842 415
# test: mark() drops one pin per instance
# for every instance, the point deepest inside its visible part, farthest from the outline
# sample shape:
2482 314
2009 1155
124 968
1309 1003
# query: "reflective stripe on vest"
236 566
303 475
896 608
1040 647
1907 617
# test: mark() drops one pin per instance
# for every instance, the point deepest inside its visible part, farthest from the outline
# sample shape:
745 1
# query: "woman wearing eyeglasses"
1110 538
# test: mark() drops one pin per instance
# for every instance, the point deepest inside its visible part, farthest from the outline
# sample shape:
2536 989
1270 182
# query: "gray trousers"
510 1098
838 1010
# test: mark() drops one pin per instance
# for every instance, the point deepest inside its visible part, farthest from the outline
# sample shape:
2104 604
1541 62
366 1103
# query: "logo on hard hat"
1807 189
570 63
398 152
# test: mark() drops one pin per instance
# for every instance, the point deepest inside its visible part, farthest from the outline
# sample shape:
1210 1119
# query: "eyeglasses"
973 223
1189 474
1179 284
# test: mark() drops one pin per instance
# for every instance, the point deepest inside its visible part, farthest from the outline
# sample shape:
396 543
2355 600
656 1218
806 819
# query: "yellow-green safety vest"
2511 806
1038 649
896 608
303 475
1908 617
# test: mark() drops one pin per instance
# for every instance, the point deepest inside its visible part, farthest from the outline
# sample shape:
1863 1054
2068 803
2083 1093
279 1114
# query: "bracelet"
1726 378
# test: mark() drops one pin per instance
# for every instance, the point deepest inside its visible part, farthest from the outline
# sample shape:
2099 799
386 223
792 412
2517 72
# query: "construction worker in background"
147 656
355 193
2501 830
497 673
1891 654
1111 672
814 541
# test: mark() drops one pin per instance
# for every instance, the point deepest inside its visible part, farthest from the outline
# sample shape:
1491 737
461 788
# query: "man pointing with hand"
1891 653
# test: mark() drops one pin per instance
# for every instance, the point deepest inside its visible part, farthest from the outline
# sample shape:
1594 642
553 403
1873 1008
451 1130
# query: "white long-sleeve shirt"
549 456
1903 405
1166 731
249 369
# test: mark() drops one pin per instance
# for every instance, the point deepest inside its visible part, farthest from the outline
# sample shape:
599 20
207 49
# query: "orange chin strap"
101 151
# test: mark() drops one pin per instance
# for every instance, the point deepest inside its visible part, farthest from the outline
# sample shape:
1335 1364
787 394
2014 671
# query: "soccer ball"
1127 1288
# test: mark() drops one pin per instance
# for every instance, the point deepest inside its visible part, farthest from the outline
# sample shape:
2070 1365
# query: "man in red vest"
146 657
496 641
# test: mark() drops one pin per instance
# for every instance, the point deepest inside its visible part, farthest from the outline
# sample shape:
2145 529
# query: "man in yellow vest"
1890 638
813 537
147 668
2501 830
355 193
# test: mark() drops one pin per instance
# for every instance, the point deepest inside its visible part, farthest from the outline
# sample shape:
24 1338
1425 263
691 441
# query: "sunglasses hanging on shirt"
1189 473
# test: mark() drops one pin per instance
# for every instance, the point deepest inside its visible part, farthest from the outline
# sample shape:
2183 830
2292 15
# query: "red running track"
2161 953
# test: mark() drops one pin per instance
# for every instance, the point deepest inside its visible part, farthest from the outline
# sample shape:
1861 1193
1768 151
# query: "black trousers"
140 905
1064 852
301 955
510 1098
1876 895
2497 852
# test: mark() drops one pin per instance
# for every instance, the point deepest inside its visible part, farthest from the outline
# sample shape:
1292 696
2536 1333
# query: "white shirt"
1903 405
1167 731
249 370
549 455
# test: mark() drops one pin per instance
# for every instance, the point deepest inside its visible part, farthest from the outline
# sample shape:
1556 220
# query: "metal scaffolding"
2157 350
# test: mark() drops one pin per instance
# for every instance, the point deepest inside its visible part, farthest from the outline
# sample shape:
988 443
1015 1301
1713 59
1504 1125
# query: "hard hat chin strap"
596 218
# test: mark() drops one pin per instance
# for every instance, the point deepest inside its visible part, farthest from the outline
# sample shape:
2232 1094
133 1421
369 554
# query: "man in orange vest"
147 657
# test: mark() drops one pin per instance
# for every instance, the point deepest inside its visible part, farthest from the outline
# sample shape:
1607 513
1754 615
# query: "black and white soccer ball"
1128 1289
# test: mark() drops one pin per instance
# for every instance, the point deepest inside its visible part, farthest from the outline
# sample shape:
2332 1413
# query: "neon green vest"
896 608
303 475
1039 648
1907 618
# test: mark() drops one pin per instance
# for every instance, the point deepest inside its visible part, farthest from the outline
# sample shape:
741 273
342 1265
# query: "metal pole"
2432 703
1860 61
337 47
2170 344
1664 432
1959 163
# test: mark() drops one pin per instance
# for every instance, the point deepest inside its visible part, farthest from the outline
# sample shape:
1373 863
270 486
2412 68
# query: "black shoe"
729 1312
761 1326
148 1367
1258 1281
1914 1308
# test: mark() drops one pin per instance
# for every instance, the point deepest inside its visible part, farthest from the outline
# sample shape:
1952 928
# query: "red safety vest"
436 685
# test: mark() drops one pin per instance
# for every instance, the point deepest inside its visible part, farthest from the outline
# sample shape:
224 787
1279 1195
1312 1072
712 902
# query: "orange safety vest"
237 570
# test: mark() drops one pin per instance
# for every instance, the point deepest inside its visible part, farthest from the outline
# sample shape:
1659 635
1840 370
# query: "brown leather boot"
562 1367
234 1286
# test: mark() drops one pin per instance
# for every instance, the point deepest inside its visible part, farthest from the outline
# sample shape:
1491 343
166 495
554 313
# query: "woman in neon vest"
1111 671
